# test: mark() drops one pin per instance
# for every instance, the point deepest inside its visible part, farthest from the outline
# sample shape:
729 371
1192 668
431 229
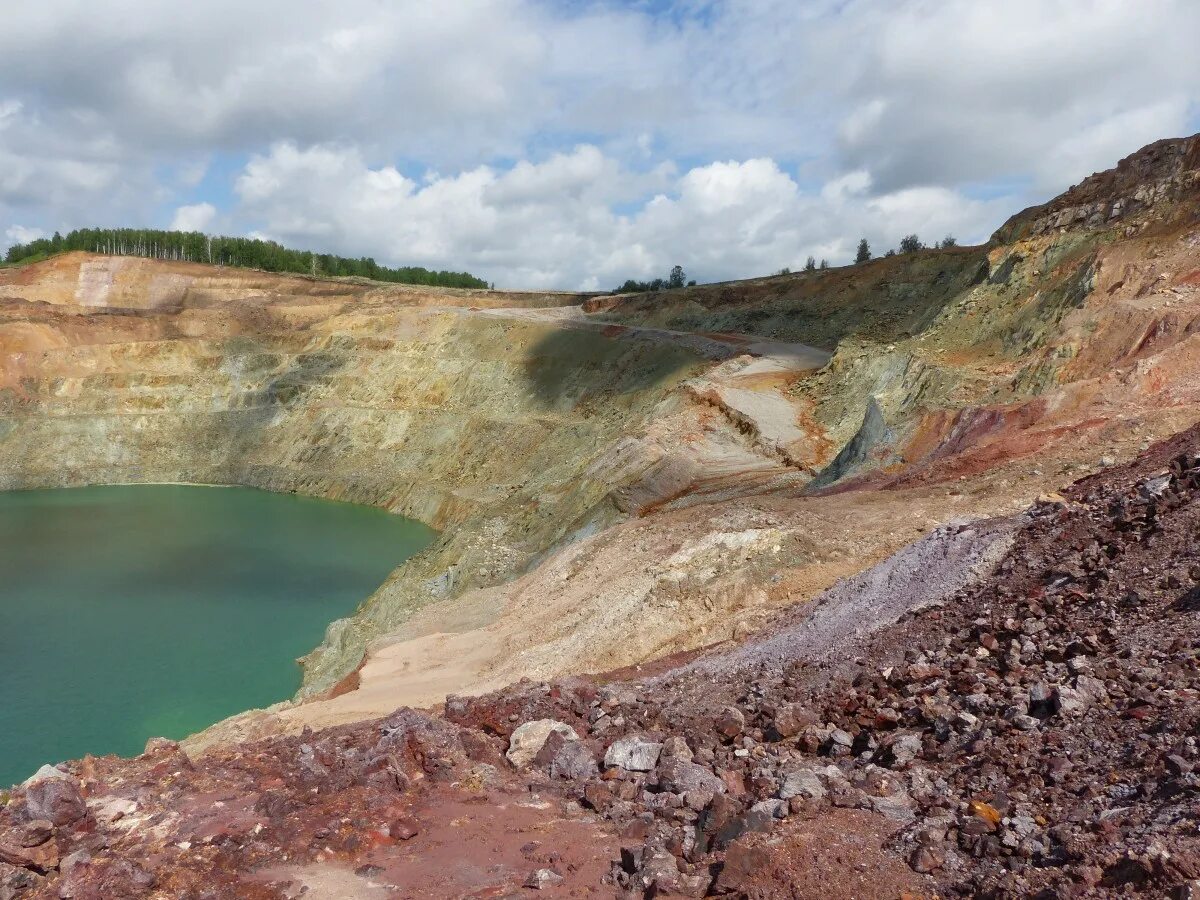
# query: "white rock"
634 754
46 773
527 739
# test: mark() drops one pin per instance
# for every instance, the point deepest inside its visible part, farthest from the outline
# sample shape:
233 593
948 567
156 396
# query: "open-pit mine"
874 581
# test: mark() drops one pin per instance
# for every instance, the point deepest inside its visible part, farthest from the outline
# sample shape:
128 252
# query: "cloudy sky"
576 143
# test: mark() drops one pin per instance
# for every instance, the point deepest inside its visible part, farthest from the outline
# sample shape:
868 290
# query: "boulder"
56 799
634 754
801 783
540 879
792 718
679 776
526 740
573 761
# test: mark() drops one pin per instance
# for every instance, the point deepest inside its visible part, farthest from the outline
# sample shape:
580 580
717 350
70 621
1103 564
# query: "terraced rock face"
489 427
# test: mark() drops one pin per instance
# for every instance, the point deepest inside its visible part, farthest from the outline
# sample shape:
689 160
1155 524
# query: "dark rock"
573 761
1177 765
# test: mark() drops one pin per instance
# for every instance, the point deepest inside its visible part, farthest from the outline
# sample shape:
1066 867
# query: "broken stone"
573 761
925 860
899 751
527 739
792 718
776 809
540 879
730 722
677 747
56 799
801 783
40 859
680 777
36 833
634 754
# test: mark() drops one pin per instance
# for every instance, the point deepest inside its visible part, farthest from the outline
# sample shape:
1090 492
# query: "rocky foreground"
1030 731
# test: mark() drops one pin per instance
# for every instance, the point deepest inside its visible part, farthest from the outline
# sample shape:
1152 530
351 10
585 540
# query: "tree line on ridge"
250 253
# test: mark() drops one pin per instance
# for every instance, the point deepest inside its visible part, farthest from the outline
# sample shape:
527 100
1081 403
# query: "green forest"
250 253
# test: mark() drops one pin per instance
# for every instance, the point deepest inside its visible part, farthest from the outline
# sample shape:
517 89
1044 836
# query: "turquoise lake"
128 612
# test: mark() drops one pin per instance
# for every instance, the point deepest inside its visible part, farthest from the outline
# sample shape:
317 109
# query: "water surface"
133 611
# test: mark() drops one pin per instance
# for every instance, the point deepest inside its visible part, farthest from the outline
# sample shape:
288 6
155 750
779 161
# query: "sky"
575 144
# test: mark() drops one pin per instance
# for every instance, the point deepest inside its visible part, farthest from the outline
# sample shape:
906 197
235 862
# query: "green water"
133 611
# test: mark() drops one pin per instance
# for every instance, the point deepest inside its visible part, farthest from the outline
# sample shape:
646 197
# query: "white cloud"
19 234
559 223
956 91
780 128
196 217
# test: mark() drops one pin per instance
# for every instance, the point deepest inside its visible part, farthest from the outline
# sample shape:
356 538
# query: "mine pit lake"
128 612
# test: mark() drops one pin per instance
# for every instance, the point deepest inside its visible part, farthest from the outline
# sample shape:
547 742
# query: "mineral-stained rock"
57 800
730 721
792 718
36 832
41 858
